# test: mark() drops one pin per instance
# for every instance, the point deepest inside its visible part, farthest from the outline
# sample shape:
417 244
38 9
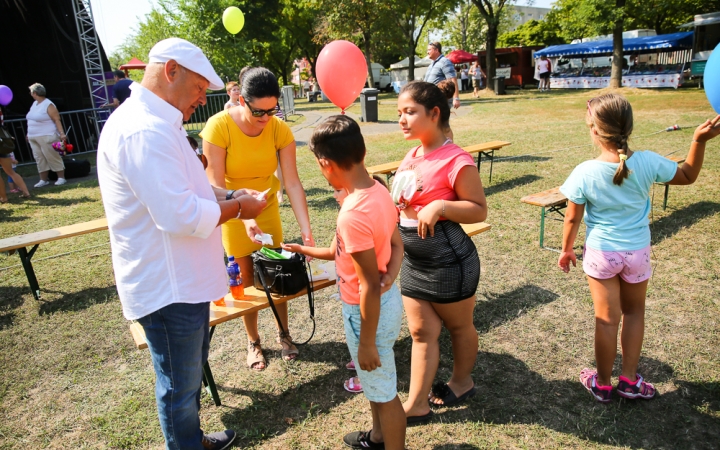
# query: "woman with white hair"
44 128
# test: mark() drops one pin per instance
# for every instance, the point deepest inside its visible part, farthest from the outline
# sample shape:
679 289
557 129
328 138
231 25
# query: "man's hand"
456 103
250 206
368 357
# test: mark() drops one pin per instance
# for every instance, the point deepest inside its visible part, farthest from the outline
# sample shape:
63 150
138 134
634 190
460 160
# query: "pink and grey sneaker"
635 389
588 378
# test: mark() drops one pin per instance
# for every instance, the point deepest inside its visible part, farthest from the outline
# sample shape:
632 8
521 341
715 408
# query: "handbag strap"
311 300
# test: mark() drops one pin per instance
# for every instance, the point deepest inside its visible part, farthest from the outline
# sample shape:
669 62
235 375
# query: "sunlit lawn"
72 378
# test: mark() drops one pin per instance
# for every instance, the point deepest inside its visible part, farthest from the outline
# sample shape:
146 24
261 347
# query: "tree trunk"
366 41
490 61
617 58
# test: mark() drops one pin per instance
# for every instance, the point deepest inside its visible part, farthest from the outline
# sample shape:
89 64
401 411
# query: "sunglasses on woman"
262 112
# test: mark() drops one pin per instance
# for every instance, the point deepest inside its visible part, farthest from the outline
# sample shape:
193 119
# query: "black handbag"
284 277
7 143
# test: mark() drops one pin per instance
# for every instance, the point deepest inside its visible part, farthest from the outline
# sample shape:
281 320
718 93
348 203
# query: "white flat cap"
187 55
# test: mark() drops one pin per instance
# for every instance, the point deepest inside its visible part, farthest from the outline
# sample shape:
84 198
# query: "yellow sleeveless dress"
250 163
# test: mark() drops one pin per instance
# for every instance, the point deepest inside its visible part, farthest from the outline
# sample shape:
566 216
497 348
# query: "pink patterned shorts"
632 266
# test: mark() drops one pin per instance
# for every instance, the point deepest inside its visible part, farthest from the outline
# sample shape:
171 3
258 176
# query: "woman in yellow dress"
243 145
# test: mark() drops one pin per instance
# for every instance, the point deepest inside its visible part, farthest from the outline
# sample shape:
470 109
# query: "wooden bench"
256 301
554 201
486 149
21 244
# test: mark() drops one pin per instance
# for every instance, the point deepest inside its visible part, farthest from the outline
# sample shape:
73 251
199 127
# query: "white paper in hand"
265 239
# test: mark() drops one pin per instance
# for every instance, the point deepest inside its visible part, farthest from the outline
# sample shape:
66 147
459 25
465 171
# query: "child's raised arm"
573 217
324 253
688 173
365 263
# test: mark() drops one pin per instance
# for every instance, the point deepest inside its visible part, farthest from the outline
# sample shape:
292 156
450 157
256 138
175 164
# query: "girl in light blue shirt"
612 194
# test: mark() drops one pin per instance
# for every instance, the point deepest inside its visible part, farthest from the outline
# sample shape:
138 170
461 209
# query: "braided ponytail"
611 117
622 171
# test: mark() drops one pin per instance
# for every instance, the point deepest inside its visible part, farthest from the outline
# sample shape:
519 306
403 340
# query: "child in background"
233 91
367 236
11 184
615 187
352 384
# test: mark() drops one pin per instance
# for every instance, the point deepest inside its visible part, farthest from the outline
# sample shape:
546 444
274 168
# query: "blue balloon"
711 79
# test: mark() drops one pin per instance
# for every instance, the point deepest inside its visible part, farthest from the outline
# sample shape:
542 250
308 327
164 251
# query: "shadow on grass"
456 447
521 159
510 184
77 301
10 300
670 225
312 398
510 393
47 201
6 215
507 306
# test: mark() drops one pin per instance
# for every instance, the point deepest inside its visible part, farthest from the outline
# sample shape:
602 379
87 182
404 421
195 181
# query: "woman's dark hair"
339 139
259 82
430 96
447 87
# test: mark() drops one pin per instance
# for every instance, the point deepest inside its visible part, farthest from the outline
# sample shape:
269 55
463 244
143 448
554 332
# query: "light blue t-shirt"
616 217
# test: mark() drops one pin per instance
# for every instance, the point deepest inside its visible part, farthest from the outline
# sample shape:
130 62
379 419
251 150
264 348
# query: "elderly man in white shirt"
163 217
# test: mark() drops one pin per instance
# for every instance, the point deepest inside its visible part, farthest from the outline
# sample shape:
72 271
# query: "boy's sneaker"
41 183
361 439
218 441
635 389
588 378
60 181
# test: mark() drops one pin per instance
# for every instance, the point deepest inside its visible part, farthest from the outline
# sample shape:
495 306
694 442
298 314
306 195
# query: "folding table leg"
542 227
26 257
491 155
208 379
665 198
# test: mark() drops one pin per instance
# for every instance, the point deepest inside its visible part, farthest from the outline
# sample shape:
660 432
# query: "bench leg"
542 227
665 197
208 379
26 257
491 155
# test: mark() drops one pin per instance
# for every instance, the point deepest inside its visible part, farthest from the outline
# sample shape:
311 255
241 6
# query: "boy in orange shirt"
366 236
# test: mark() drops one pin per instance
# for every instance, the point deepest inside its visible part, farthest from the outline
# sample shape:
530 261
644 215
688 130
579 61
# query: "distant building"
523 14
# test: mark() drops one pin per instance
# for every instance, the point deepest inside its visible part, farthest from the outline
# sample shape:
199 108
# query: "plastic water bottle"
234 280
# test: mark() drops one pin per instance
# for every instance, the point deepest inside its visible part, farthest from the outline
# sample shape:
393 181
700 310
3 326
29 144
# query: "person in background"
9 163
233 91
544 70
464 77
44 128
442 69
163 219
477 78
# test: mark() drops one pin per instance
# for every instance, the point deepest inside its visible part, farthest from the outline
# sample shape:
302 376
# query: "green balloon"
233 20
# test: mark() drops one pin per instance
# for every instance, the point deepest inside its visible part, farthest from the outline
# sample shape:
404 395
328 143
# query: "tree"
411 17
463 27
491 12
532 32
664 16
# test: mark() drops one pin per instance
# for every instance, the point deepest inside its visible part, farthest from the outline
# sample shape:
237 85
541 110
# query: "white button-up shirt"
161 210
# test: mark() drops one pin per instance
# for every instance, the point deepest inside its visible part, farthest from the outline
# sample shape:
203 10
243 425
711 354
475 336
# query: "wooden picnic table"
486 149
256 301
554 201
22 242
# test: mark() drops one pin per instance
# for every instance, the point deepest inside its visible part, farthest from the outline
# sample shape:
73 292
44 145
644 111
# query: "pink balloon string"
342 111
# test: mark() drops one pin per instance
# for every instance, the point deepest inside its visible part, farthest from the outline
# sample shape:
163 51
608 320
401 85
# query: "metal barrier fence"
88 123
215 104
86 127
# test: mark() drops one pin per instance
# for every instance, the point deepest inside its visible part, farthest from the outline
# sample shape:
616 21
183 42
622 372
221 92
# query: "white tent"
405 63
400 71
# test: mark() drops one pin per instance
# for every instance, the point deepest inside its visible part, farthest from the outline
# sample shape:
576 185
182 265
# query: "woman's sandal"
443 392
287 352
255 356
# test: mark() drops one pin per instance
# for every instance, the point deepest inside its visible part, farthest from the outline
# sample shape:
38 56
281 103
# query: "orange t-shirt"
367 219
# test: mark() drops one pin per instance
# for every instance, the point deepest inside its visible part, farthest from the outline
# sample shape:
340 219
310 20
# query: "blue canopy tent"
639 45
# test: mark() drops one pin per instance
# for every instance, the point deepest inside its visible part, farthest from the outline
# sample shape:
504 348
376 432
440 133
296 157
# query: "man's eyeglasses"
262 112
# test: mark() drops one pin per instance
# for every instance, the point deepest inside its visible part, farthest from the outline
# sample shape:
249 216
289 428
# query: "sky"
115 19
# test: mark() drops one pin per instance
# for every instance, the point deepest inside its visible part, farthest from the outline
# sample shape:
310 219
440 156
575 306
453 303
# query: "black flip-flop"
448 397
361 439
420 420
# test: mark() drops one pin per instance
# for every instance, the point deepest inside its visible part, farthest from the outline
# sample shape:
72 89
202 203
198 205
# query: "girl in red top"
436 188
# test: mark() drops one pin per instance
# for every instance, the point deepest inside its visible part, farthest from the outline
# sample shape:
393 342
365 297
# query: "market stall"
662 64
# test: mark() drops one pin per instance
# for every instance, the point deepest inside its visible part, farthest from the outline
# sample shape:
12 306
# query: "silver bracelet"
239 209
697 141
442 214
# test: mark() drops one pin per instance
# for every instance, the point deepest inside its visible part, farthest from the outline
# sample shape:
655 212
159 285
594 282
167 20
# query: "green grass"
72 378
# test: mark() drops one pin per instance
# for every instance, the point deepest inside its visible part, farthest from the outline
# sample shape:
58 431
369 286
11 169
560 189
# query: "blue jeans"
178 339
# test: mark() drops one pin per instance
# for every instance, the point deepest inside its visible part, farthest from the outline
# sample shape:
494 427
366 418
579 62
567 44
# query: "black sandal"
420 420
361 439
443 392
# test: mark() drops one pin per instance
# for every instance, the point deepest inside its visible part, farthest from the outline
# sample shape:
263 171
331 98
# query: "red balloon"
341 71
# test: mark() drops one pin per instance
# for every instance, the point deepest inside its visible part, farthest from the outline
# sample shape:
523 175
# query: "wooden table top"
551 197
40 237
